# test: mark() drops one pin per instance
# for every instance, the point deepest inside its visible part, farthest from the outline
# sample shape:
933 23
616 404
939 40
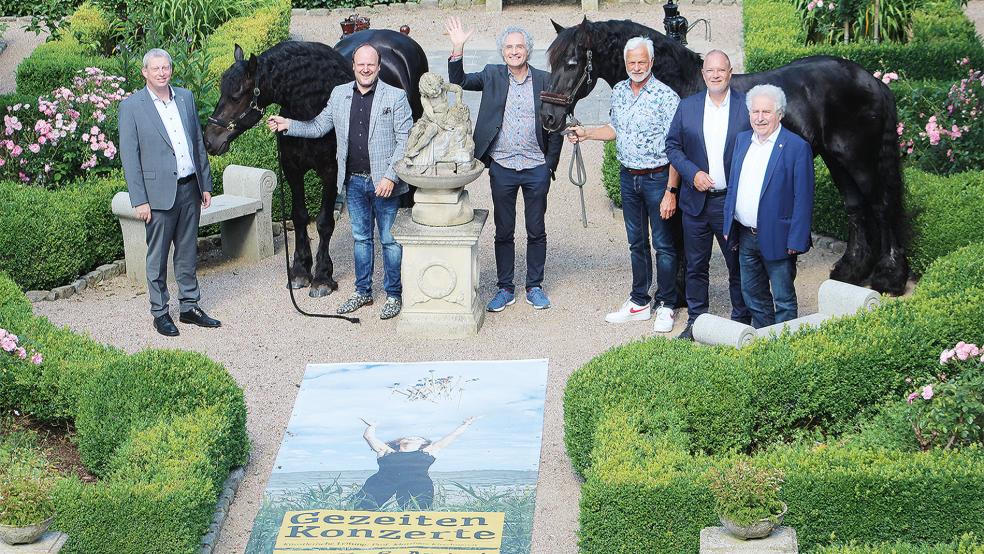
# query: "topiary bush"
161 428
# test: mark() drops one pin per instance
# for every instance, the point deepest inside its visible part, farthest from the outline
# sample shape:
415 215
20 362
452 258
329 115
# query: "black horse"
845 113
299 76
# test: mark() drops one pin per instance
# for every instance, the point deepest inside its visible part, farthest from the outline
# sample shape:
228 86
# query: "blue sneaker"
537 298
502 299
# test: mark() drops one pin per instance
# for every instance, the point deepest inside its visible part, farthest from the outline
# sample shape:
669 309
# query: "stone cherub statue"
443 132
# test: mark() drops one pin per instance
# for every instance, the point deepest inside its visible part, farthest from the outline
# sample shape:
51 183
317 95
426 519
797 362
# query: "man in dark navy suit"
769 207
700 145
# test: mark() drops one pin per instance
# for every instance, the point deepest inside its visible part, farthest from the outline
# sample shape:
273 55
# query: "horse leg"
892 270
858 259
300 269
324 284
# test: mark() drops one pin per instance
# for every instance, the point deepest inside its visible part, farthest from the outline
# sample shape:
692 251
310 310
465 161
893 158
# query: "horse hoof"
847 272
299 283
320 291
890 276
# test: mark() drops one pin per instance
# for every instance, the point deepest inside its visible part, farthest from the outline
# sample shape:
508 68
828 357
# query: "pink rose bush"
948 411
64 135
947 137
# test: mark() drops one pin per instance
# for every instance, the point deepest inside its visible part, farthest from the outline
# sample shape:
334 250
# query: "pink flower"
927 392
946 356
21 353
8 344
900 128
34 148
877 74
912 396
36 359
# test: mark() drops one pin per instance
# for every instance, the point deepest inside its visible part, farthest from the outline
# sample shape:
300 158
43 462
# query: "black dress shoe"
687 333
196 316
165 325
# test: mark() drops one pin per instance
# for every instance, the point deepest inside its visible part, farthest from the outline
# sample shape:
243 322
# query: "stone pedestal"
717 540
49 543
440 277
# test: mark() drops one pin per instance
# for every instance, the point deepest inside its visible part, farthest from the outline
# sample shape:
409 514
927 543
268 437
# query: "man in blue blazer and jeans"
700 145
769 208
519 153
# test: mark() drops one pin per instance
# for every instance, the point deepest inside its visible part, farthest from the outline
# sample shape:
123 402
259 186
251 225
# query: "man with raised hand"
519 153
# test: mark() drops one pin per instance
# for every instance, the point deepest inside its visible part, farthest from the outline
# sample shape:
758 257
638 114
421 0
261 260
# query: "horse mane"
299 76
675 65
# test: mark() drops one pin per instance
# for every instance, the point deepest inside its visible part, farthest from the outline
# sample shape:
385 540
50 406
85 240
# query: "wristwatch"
673 190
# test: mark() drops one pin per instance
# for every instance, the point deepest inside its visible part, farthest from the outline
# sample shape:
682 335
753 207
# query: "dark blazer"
149 165
493 81
785 212
685 144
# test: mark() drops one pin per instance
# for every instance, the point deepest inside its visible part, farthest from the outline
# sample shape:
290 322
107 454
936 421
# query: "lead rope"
576 172
283 223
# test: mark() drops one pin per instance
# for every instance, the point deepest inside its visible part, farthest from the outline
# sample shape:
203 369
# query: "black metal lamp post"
676 25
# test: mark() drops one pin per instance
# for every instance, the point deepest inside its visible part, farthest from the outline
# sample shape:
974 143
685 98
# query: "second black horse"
846 114
299 77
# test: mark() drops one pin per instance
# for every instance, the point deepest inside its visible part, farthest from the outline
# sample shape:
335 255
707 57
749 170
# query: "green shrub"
159 386
775 37
966 544
954 273
255 33
163 458
54 64
90 27
610 168
48 238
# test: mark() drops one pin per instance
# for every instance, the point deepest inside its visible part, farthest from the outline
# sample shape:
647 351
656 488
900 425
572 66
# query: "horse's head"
572 73
238 108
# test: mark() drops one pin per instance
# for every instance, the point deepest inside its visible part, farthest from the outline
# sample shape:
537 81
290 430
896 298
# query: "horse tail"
893 195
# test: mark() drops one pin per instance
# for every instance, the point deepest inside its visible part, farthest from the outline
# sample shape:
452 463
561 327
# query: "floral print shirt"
642 122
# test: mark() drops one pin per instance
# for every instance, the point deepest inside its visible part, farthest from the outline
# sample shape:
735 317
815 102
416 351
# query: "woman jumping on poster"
403 469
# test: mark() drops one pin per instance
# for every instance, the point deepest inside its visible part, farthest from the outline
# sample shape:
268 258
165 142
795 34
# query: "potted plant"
747 499
26 505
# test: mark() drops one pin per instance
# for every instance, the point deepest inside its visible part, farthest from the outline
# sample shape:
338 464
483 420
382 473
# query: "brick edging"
229 489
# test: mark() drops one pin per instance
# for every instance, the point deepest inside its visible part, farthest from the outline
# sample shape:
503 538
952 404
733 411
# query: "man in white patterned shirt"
642 109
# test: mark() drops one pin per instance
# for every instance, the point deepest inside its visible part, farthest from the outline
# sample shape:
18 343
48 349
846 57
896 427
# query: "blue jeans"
506 184
364 208
641 196
699 233
757 274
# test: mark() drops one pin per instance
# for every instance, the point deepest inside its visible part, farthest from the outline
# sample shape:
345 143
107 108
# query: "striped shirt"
516 146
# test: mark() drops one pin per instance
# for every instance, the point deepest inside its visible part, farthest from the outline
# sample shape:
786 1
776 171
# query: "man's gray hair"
156 53
636 42
527 38
773 92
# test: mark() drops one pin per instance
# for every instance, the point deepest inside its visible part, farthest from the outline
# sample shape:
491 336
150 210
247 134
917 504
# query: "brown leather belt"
751 230
647 171
716 193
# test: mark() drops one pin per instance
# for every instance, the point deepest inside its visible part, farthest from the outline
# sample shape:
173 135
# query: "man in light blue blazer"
769 207
169 181
700 146
372 121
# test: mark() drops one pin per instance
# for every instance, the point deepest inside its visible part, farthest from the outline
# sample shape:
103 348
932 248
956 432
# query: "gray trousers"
179 226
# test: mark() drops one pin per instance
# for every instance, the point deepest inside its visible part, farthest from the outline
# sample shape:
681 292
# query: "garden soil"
265 344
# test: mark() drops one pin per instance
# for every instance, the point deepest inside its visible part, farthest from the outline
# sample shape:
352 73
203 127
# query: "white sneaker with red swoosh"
630 311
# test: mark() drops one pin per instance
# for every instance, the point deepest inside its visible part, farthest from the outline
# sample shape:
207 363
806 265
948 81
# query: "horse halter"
567 100
231 124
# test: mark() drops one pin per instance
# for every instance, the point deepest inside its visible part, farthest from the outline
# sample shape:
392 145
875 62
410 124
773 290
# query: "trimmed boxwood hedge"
942 34
966 544
645 420
50 237
161 428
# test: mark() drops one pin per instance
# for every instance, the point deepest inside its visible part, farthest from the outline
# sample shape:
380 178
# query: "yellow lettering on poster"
336 531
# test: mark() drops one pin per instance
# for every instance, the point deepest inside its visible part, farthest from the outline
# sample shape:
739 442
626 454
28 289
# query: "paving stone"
63 292
37 295
79 285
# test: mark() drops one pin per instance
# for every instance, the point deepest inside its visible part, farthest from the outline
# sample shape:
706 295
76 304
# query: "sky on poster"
325 432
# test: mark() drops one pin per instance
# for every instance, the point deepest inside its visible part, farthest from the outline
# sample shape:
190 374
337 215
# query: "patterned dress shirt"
516 147
642 122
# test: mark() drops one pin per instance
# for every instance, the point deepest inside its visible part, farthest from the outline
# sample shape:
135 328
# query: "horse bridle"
231 124
567 100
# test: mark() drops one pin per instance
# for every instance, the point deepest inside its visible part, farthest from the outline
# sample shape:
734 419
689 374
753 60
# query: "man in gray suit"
169 180
372 121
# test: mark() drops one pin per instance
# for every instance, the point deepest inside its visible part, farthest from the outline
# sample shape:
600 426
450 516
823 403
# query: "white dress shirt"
175 131
752 178
715 138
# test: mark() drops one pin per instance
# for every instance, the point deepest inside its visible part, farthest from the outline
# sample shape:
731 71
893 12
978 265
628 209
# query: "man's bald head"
717 72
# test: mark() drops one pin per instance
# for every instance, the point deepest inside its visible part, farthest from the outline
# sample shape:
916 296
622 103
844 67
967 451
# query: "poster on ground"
407 458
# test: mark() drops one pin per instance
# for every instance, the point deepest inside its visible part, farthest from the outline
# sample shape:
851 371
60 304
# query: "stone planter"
759 529
26 534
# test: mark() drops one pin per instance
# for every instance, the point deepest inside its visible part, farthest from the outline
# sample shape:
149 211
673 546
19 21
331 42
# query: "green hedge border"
942 34
161 428
644 420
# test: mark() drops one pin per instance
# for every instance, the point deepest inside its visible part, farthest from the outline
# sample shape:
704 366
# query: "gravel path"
975 11
265 345
20 44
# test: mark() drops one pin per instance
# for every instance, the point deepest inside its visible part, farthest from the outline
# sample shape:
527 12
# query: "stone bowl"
26 534
443 181
757 530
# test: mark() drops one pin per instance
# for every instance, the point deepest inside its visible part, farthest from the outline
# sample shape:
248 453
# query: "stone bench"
244 213
834 299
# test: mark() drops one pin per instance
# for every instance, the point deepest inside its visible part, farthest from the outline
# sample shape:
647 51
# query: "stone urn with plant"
26 505
746 499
